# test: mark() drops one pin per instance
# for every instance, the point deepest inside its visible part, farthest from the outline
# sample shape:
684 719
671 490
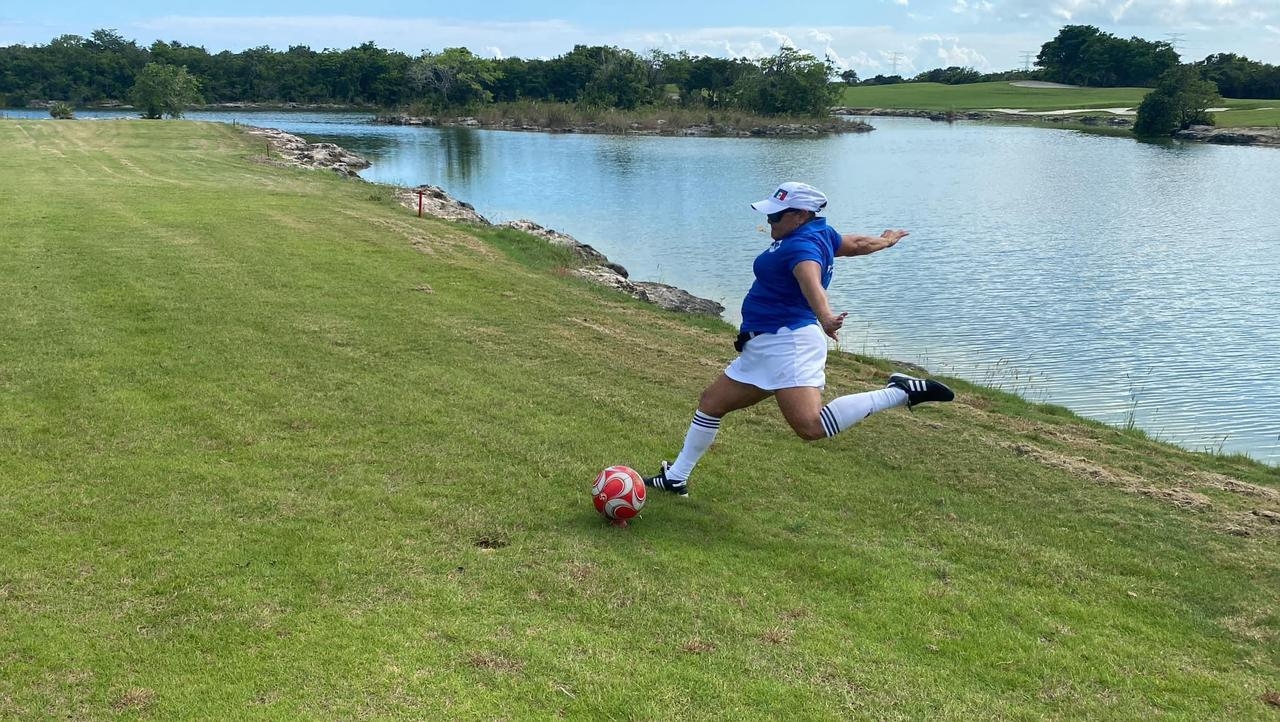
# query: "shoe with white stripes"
679 487
920 390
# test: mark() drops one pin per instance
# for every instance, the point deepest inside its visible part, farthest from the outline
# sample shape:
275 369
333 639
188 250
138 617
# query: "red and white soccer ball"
618 493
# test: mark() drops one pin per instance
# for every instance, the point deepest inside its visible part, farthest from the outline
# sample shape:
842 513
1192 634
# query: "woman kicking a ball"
783 346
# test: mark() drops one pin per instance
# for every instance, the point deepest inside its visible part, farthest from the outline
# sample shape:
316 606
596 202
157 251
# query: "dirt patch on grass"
495 662
1235 486
776 636
697 645
1086 469
580 572
137 699
490 541
1251 625
1177 488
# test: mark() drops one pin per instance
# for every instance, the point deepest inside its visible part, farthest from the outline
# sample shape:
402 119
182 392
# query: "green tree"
567 75
1181 99
1084 55
621 81
1239 77
953 75
789 81
884 80
671 68
453 77
1063 57
711 80
161 90
849 77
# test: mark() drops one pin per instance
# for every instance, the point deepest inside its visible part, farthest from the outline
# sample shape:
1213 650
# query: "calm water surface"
1132 283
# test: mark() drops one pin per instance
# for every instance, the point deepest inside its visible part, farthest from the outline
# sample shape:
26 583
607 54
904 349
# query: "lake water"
1133 283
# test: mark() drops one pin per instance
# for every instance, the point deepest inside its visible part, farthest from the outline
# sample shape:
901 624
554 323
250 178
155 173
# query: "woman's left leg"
802 407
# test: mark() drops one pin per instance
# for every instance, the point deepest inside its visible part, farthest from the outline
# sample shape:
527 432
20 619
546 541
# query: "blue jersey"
775 299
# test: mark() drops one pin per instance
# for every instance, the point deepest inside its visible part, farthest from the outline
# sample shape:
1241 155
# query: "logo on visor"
780 195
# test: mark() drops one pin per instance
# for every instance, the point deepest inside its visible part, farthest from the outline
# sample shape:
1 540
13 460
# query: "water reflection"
619 156
461 148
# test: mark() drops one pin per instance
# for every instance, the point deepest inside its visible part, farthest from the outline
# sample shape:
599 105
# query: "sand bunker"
1069 111
1040 84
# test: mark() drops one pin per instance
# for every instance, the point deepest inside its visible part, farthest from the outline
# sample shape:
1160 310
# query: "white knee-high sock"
846 411
696 442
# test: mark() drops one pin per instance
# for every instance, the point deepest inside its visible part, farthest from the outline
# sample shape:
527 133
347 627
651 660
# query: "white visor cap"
801 196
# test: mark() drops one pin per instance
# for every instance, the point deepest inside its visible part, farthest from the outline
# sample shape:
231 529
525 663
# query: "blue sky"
871 36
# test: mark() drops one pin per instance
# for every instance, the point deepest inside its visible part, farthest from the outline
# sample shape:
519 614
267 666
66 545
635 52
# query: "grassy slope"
271 447
982 96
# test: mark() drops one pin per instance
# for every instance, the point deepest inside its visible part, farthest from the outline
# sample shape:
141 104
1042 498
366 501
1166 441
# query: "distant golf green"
981 96
986 96
271 447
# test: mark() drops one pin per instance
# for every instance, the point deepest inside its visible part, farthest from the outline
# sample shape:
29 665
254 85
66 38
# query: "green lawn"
985 96
980 96
1263 115
273 448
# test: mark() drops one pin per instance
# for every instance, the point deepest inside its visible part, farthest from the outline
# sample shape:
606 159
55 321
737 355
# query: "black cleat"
920 391
679 487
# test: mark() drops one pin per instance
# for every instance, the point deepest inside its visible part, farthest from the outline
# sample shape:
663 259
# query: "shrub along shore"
272 446
572 118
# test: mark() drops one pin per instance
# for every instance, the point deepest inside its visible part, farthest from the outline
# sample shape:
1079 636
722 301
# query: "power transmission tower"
893 58
1027 55
1175 41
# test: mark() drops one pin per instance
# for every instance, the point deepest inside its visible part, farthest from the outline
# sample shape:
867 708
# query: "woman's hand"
832 323
891 236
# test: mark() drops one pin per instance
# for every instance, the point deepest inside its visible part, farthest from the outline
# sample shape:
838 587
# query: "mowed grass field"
985 96
271 447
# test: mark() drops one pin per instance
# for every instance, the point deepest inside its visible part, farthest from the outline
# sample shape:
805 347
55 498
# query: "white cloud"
1172 14
949 52
973 7
988 35
528 39
783 40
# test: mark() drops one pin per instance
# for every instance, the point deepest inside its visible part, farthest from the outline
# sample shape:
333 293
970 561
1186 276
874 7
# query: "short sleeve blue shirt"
775 299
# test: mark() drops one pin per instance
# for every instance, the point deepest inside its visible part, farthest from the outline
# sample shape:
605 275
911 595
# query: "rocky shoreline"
781 130
298 152
1230 136
592 265
1263 135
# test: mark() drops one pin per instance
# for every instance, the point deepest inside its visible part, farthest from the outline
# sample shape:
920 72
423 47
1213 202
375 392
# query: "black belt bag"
743 338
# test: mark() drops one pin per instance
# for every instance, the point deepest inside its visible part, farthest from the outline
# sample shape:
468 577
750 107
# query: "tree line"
1084 55
103 68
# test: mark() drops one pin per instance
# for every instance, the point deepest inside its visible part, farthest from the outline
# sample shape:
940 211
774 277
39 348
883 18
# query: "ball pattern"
618 492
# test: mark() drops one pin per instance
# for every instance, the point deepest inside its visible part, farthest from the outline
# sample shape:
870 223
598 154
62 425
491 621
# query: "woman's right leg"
722 396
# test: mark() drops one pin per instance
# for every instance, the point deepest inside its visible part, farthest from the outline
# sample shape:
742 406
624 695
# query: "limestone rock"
299 152
585 253
436 202
1230 136
597 268
659 294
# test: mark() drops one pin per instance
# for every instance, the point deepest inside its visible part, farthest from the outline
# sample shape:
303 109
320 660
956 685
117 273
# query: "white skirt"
783 360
